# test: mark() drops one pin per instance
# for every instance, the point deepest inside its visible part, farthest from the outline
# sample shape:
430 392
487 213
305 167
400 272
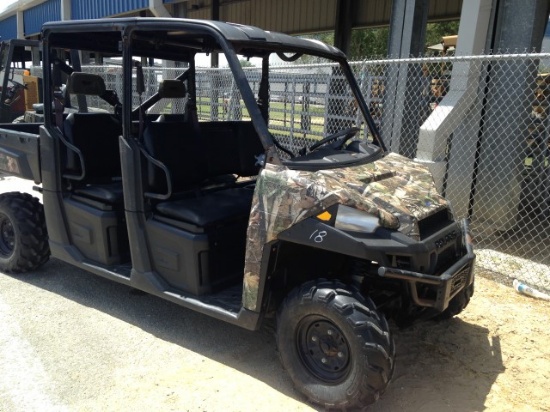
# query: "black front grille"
445 259
459 281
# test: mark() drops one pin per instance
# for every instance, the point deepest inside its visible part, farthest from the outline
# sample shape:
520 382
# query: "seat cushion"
106 193
210 209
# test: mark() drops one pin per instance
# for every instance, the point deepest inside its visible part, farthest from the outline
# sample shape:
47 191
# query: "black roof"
248 37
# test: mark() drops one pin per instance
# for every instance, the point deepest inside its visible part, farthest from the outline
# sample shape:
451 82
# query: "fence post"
407 37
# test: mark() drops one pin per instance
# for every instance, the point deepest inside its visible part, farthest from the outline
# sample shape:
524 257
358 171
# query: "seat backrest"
176 146
250 147
96 135
218 149
172 89
232 147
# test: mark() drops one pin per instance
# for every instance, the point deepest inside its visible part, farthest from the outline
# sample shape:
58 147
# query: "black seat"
231 147
175 145
96 136
94 168
202 167
107 193
212 209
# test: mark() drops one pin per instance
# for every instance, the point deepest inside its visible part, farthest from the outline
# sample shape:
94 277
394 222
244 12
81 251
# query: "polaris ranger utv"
241 194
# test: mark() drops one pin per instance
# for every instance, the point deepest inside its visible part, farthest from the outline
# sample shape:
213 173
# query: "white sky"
4 4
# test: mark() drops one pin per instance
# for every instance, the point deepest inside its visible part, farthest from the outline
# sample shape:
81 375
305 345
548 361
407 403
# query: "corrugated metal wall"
441 9
36 16
288 16
291 16
373 13
8 28
95 9
308 16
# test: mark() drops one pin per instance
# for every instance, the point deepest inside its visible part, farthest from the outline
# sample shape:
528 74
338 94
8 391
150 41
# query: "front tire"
335 345
457 304
23 235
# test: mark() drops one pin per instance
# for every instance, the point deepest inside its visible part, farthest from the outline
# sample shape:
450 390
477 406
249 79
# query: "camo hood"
397 190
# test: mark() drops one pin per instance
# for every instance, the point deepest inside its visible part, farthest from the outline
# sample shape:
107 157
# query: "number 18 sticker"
318 236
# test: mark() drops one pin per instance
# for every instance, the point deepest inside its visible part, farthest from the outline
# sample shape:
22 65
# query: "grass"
282 121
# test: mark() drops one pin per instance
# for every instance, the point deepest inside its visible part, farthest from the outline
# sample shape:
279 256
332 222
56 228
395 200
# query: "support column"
457 105
66 11
20 24
510 95
215 62
402 104
345 12
335 109
157 8
214 58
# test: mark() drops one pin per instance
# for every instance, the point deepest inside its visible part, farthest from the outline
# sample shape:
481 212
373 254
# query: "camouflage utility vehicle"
194 185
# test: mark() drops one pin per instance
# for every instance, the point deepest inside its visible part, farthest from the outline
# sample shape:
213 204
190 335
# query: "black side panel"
19 151
179 257
99 234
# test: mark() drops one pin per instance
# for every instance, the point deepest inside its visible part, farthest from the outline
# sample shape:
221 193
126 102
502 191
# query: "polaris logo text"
449 237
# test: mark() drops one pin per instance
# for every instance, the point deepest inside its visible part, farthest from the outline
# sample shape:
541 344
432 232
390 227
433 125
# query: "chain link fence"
480 123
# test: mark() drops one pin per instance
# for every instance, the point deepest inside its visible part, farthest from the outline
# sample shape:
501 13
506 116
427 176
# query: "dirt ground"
495 356
71 341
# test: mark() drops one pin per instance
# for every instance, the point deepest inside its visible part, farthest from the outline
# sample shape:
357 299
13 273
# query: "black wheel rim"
7 236
323 349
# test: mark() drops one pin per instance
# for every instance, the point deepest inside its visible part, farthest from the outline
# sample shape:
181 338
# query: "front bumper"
453 280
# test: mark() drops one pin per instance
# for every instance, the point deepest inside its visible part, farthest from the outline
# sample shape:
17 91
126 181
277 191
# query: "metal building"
24 18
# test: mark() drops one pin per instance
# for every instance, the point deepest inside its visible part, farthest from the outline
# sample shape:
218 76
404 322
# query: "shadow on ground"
448 366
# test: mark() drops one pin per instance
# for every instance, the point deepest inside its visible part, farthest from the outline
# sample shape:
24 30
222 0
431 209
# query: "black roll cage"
199 35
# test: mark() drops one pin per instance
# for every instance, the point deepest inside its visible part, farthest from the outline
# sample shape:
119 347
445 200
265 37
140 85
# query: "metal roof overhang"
171 32
286 16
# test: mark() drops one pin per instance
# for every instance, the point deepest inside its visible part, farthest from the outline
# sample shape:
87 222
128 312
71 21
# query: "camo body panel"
397 190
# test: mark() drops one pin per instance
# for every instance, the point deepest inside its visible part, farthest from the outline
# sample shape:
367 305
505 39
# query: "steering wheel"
343 135
10 94
17 84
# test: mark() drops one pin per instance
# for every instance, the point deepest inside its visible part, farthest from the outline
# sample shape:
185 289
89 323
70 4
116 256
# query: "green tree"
373 42
245 63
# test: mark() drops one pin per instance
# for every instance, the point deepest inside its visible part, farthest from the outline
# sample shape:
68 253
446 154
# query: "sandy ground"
71 341
495 356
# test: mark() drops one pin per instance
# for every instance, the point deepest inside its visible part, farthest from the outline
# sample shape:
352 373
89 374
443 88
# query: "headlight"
354 220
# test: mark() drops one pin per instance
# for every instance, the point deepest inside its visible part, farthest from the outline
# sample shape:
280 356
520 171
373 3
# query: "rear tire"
23 235
335 345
